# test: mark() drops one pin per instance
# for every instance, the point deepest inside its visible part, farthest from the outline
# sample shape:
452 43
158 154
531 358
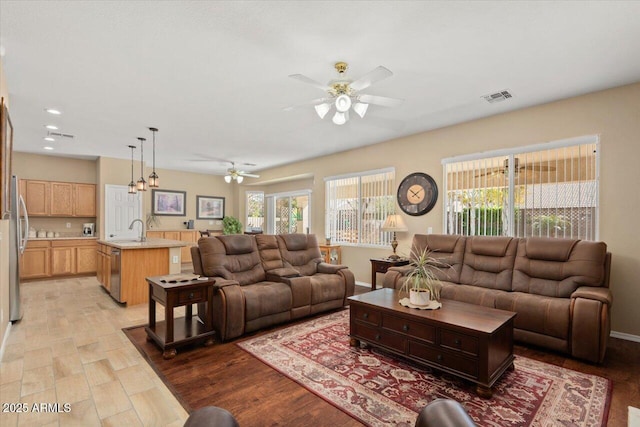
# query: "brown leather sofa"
558 287
263 280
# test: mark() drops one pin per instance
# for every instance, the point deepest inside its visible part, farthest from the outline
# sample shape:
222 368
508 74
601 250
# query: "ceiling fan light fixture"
340 118
360 108
227 179
323 109
343 103
240 178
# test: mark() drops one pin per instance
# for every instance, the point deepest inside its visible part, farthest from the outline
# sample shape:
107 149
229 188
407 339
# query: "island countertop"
150 243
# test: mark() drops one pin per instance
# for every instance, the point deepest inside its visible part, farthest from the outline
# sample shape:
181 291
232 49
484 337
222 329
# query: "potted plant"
231 225
421 283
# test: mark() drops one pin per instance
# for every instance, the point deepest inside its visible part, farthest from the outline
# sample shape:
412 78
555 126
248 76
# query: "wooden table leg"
373 276
484 392
354 342
169 353
168 317
188 313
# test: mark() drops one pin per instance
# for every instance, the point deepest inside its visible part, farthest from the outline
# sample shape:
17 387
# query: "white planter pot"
419 297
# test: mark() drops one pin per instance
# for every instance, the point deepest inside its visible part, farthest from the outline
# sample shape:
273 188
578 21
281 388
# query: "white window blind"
551 191
357 205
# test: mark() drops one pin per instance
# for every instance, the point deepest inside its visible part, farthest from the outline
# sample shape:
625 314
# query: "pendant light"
154 180
142 184
132 184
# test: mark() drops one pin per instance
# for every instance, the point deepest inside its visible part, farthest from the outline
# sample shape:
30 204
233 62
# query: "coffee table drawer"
459 342
375 336
363 314
444 358
411 328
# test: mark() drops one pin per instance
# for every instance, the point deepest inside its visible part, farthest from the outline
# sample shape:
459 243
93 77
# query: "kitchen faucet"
143 234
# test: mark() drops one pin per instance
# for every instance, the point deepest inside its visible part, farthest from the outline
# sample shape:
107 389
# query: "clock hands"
415 193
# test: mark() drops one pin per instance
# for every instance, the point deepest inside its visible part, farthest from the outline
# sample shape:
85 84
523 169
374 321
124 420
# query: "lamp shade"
227 178
394 223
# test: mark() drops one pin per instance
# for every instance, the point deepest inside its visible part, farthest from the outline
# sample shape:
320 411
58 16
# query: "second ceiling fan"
345 94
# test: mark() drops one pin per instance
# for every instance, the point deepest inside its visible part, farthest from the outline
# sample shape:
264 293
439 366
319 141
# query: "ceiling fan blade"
377 74
380 100
490 172
249 175
306 104
305 79
539 168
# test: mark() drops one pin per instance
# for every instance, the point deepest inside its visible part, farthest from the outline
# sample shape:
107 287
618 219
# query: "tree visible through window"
551 191
255 210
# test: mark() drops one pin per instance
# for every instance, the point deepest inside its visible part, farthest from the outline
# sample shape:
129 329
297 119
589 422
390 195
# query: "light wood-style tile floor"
69 348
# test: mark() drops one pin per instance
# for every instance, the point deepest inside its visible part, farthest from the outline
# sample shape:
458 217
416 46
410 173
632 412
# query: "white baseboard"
4 341
624 336
368 285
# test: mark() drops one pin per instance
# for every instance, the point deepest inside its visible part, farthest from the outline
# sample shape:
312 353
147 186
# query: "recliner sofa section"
558 287
263 280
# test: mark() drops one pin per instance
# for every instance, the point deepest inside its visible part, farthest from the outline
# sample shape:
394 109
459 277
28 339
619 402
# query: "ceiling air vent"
61 135
497 97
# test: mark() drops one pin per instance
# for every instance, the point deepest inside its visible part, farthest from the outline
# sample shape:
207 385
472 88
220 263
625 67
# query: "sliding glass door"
290 213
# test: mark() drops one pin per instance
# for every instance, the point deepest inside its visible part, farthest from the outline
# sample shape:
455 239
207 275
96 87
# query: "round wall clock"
417 194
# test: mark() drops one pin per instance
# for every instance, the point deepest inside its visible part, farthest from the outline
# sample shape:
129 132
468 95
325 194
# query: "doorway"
120 209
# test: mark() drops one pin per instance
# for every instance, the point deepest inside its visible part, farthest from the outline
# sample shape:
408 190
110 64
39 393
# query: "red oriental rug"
378 389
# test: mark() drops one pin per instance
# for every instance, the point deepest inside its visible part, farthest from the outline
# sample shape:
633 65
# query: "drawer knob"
377 337
439 357
191 295
405 328
457 341
365 316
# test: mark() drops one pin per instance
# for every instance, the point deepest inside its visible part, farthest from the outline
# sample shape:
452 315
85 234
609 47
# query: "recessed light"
48 148
52 127
53 111
48 138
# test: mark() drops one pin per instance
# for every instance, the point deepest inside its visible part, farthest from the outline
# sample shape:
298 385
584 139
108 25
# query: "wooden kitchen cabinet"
62 261
36 261
59 199
86 259
103 267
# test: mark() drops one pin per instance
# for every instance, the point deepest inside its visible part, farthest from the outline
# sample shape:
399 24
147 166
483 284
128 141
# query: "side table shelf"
332 254
381 265
172 333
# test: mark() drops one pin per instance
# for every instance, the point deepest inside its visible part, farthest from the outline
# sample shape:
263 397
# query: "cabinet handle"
405 328
457 341
377 337
365 316
439 357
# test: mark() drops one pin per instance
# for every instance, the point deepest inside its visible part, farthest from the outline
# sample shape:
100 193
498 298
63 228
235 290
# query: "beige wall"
53 168
4 242
613 114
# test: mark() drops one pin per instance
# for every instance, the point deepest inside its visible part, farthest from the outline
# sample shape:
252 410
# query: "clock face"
417 194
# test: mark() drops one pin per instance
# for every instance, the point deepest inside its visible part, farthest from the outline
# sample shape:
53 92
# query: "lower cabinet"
103 266
47 258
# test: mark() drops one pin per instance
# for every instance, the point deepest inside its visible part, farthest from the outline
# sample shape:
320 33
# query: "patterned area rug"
378 389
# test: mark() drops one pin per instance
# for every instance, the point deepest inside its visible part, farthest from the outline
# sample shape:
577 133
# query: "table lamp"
394 223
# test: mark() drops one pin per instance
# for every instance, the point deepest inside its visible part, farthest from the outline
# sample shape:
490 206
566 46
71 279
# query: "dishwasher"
115 274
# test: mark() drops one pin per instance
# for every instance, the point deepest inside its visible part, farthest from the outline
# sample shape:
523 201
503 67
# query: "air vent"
497 97
61 135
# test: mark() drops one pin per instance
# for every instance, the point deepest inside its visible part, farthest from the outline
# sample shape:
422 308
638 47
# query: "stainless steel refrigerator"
18 236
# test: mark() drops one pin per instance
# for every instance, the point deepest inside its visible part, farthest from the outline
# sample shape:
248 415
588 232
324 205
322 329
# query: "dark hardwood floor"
224 375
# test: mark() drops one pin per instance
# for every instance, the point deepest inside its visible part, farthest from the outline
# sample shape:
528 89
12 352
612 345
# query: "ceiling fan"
505 168
345 94
234 174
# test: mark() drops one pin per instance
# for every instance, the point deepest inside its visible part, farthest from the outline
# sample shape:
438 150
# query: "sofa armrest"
280 273
594 293
325 268
403 269
221 283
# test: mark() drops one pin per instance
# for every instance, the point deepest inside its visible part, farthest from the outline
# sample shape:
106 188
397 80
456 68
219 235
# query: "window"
291 212
551 191
357 205
255 210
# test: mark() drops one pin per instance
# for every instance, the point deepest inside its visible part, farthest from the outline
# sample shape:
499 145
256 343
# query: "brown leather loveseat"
263 280
558 287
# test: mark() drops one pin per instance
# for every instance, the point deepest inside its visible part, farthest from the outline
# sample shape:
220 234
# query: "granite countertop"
64 238
151 243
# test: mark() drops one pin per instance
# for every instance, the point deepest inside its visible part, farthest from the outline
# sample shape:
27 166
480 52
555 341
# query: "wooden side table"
332 253
381 265
172 333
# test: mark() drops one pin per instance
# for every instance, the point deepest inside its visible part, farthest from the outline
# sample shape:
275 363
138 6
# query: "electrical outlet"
211 222
430 230
175 259
68 225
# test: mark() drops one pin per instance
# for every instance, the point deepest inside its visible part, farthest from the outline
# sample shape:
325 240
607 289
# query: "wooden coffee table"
470 341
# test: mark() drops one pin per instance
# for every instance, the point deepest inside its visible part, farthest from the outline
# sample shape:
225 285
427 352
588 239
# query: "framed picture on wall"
6 151
209 207
168 203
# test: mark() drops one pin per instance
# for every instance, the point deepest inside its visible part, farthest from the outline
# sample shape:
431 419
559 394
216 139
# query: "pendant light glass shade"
360 108
340 118
142 184
154 180
343 103
132 184
227 179
240 178
322 109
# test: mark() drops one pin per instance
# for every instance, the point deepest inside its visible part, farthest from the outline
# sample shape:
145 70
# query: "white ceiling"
212 76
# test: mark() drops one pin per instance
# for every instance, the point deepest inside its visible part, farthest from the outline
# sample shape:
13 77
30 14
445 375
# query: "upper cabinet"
60 199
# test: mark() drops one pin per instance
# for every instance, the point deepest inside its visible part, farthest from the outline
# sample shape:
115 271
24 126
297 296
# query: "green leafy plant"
152 221
422 276
551 225
231 225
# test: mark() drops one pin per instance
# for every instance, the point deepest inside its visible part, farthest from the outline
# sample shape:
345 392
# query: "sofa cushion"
449 249
266 298
488 262
326 287
563 268
245 268
536 313
469 294
237 244
269 251
300 251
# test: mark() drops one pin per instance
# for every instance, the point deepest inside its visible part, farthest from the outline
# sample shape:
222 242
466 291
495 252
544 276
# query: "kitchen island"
123 266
